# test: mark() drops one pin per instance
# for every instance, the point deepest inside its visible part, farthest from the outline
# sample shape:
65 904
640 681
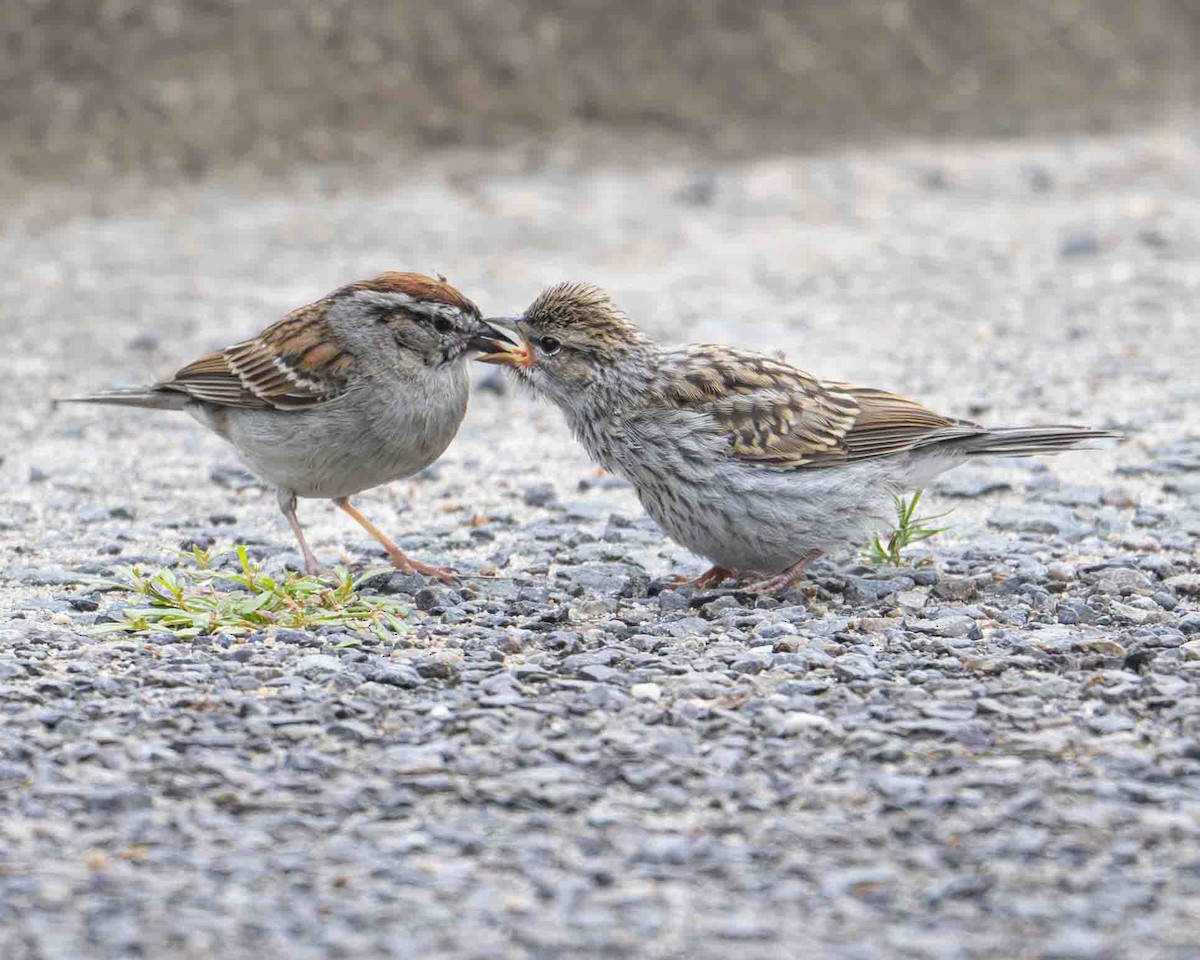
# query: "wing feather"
294 363
774 413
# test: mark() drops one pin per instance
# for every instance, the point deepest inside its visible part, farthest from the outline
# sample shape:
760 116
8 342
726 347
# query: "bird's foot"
406 564
782 581
400 560
713 577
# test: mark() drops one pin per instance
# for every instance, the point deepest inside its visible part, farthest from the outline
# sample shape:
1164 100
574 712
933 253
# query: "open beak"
502 344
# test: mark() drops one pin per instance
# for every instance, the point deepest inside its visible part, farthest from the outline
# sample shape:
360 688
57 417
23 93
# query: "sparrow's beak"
502 344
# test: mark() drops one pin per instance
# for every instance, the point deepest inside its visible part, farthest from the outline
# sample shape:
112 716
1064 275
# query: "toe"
446 575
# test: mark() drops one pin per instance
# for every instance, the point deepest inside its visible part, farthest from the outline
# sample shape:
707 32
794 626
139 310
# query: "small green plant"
909 529
197 598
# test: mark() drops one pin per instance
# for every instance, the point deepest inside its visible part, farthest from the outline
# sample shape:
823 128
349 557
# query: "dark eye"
549 346
442 325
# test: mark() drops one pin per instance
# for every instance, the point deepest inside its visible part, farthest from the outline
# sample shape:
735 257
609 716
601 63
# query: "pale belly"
346 446
743 516
757 519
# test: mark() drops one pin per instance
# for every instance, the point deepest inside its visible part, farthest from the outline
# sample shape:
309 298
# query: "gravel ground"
997 755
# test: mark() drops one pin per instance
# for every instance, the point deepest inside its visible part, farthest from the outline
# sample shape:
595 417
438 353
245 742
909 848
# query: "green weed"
909 529
187 600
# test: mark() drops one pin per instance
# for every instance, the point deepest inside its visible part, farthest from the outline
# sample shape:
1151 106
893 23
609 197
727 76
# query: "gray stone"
854 667
862 590
1186 583
540 495
395 675
954 588
952 626
599 674
233 478
684 627
317 665
1038 518
1124 579
970 482
1189 624
1079 245
751 664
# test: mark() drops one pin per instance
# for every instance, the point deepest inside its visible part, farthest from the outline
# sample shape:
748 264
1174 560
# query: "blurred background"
182 88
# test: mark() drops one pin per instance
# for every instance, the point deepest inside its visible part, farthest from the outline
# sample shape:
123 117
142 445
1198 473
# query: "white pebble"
800 722
645 691
1062 572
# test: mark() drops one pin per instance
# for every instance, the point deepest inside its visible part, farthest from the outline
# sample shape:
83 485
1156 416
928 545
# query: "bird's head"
424 318
569 341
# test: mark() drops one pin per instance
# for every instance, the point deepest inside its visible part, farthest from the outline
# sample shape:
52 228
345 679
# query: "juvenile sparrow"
742 458
366 385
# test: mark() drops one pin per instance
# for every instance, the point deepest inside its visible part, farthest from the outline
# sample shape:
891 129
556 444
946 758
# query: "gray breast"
367 437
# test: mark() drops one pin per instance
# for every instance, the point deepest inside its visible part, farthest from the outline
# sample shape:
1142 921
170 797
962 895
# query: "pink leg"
400 560
287 503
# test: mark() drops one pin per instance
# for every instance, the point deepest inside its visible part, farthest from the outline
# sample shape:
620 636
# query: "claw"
782 581
713 577
406 564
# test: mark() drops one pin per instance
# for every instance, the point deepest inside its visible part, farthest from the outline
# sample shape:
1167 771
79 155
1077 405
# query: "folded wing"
291 365
776 414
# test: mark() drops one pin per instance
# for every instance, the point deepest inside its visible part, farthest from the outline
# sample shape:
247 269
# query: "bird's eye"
442 325
549 346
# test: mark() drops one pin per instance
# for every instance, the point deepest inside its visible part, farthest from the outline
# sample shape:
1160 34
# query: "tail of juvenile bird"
147 397
1018 441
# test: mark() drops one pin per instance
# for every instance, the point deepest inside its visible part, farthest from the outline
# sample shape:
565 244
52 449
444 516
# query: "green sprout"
196 599
909 529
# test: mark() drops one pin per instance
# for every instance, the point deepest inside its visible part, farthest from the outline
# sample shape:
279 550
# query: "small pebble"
645 691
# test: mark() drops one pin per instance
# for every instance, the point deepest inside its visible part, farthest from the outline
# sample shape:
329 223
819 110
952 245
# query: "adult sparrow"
742 458
366 385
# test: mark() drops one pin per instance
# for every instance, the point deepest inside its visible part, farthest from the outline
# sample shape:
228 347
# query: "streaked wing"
779 415
292 364
212 380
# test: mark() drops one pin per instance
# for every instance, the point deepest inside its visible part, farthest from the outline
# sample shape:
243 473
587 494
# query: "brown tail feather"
146 397
1021 441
